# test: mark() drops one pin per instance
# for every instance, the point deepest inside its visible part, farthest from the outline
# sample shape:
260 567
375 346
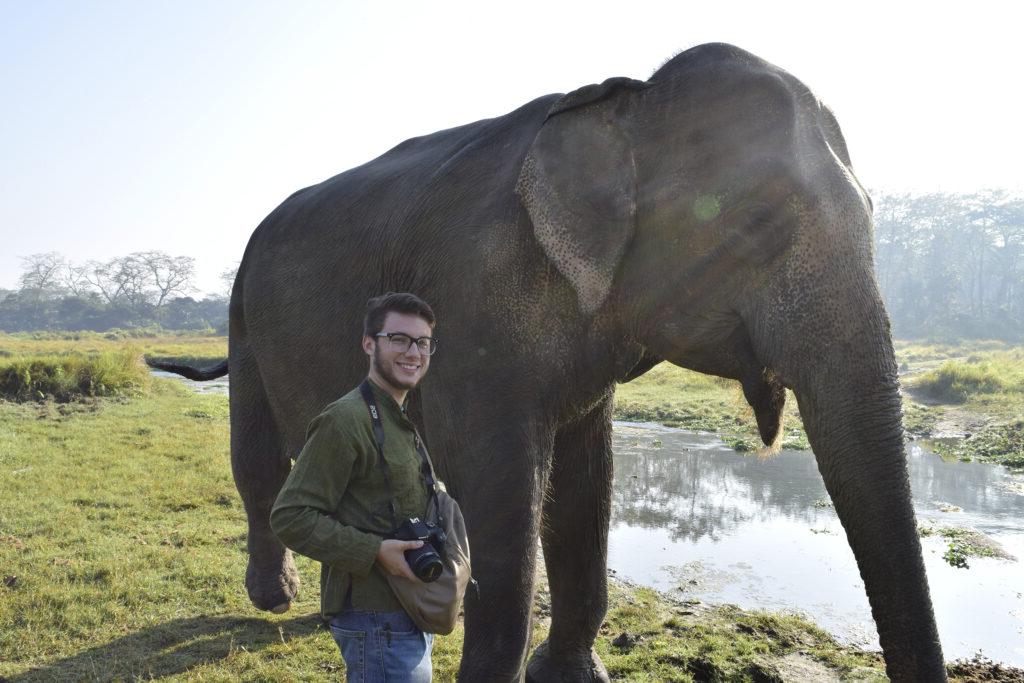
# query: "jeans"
381 647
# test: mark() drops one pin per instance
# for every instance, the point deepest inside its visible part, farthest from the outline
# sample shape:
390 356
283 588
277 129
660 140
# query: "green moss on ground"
964 544
646 637
997 443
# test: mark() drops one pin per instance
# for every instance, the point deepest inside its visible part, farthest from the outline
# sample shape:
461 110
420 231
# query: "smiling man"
339 506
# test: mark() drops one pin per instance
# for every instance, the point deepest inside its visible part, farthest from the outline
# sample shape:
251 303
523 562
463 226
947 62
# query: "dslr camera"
424 561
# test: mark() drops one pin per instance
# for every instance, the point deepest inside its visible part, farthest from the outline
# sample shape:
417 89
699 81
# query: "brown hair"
378 308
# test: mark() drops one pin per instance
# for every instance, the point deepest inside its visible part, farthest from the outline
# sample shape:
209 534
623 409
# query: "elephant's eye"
758 233
759 217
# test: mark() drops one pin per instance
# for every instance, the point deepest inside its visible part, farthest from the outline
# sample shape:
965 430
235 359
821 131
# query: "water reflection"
694 488
691 515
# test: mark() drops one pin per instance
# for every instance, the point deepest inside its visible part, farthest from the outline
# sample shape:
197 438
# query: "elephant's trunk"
849 398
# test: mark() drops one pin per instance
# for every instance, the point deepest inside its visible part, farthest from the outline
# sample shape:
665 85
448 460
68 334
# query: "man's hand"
391 556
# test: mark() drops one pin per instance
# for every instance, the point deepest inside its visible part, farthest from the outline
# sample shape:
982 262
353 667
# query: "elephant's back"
463 174
394 223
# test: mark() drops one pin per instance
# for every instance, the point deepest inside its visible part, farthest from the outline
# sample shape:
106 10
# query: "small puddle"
693 517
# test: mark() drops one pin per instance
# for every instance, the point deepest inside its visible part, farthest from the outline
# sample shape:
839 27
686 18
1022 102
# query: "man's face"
402 369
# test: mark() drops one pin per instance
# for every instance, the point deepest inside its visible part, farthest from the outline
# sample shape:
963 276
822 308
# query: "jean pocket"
352 644
346 633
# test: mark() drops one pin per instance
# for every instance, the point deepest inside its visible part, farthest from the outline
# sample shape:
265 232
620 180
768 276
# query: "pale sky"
129 126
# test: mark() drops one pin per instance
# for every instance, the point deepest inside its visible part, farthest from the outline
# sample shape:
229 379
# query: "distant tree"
73 279
227 278
110 278
952 264
41 275
164 275
141 289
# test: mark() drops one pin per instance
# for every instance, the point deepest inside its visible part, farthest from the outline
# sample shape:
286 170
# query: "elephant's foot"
272 589
543 668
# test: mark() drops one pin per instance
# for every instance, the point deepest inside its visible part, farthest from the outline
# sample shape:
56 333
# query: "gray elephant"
709 217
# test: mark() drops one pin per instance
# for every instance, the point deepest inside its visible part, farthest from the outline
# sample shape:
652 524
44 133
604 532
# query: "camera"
424 561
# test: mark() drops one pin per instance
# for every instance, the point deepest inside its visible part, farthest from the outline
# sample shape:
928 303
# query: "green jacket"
334 505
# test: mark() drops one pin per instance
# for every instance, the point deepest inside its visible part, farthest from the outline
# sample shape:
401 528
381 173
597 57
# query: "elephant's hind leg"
260 467
575 540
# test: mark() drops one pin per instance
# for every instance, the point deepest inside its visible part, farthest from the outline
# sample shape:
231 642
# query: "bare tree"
41 274
165 275
117 280
74 279
227 278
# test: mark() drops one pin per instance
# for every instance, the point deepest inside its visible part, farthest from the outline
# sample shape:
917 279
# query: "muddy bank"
650 635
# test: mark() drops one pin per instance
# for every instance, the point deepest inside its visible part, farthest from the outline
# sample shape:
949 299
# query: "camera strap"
378 435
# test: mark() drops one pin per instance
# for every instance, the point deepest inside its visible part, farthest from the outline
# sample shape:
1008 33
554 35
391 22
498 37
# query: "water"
692 517
213 386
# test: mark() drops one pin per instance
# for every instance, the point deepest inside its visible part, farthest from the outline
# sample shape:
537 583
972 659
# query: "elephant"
708 216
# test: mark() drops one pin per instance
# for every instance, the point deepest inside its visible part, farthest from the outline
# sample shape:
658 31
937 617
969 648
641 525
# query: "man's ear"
578 183
368 343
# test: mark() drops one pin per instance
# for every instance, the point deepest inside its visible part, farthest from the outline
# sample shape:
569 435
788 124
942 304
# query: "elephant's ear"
578 183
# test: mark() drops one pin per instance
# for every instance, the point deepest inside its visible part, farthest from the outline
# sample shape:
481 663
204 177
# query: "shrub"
954 381
66 377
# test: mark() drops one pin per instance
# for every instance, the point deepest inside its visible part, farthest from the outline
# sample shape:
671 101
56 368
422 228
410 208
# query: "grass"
979 381
122 542
70 376
981 386
676 397
648 638
1001 443
201 349
72 365
955 381
122 548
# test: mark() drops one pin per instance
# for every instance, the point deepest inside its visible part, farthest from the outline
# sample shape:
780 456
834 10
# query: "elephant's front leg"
501 502
575 539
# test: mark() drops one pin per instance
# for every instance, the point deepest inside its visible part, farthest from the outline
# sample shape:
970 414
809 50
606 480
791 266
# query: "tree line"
142 289
952 265
948 266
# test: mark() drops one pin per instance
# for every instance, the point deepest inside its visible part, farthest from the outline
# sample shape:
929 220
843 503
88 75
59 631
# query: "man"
335 505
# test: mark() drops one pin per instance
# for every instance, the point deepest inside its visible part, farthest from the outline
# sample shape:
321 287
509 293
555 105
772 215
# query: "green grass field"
976 387
122 548
122 542
200 349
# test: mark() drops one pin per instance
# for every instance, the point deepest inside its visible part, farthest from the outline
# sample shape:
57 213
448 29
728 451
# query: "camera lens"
425 563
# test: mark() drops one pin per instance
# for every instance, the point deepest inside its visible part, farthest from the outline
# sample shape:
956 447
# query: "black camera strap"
378 435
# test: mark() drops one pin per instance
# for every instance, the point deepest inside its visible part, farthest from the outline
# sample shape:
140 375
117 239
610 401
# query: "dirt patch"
981 669
799 668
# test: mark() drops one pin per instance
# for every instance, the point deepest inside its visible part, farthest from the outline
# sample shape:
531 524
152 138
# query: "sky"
131 126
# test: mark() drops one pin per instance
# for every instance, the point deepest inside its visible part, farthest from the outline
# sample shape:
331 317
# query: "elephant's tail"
197 374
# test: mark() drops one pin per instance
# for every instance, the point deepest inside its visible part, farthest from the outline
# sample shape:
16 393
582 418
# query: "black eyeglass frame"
431 350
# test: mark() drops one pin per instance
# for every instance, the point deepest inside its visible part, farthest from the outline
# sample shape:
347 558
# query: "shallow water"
212 386
695 518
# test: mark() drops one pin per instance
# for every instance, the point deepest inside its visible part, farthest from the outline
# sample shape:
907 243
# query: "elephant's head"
713 210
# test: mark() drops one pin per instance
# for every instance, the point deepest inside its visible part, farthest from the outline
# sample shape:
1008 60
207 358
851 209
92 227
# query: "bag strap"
378 435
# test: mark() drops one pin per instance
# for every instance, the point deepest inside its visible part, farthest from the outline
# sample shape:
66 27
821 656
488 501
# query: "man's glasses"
403 342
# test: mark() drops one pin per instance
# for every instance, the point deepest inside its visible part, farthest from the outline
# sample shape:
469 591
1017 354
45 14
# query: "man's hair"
378 308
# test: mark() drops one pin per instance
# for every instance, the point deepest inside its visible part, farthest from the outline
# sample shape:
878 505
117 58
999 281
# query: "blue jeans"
381 647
